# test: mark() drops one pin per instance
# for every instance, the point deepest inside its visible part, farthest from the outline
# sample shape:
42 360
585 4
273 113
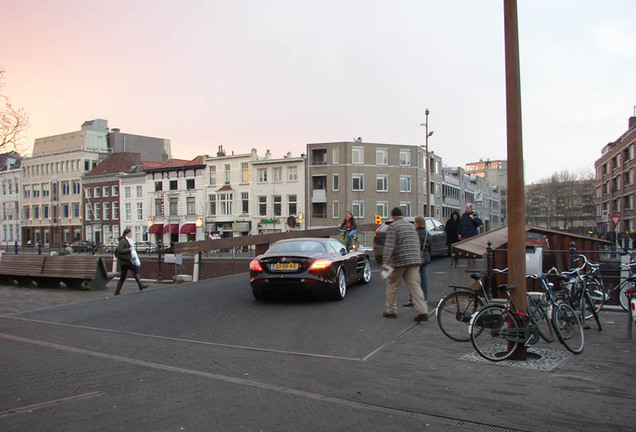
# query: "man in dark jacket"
452 234
402 252
469 223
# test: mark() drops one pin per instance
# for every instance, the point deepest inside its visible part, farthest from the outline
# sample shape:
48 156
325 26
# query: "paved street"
208 357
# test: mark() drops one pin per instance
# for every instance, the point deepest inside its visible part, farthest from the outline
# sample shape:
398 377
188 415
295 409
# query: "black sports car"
317 265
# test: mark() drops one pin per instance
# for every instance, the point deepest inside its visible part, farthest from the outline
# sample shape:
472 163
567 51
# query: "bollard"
159 249
489 268
16 248
572 255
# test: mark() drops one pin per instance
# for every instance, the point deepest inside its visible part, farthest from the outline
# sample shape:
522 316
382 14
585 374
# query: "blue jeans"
423 282
424 279
349 235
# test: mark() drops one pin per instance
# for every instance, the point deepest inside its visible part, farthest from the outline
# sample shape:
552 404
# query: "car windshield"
298 246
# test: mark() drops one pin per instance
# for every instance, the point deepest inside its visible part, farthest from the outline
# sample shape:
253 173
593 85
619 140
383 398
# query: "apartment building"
53 206
615 185
496 172
367 179
175 200
10 177
278 191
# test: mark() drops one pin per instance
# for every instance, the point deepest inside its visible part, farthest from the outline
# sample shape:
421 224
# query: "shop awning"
188 228
171 229
156 229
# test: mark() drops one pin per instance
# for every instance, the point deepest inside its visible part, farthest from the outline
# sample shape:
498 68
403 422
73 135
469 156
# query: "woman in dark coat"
125 254
452 234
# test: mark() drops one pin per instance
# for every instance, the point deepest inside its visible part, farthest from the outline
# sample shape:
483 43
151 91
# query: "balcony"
319 196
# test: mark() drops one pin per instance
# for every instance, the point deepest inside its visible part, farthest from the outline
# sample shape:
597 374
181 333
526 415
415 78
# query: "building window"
382 156
278 205
97 192
106 211
66 211
140 191
227 172
45 211
212 205
140 211
405 157
335 209
292 174
225 203
190 206
405 183
212 175
245 202
127 211
335 179
106 191
262 175
190 184
382 209
27 212
97 211
115 191
406 208
245 172
277 175
174 185
357 182
158 187
335 155
357 208
159 207
382 183
292 204
174 206
262 206
66 188
357 155
76 210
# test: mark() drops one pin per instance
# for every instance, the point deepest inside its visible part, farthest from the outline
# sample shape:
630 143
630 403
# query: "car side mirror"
343 251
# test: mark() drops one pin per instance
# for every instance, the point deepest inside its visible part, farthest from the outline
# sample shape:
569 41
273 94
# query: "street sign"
616 220
378 220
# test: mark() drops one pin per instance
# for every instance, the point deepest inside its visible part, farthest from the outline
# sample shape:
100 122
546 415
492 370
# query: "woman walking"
128 260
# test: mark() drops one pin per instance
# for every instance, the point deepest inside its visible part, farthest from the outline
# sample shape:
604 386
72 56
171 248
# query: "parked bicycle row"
497 327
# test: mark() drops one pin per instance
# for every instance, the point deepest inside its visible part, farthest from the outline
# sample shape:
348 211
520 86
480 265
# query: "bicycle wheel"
539 316
494 332
454 312
597 294
589 309
568 327
622 295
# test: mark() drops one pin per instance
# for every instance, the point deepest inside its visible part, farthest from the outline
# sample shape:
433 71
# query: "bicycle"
354 242
455 309
626 285
498 330
578 293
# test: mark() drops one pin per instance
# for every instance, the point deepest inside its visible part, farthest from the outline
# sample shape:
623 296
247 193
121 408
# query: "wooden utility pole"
516 204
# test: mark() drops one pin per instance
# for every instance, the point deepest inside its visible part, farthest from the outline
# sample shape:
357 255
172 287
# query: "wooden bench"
76 271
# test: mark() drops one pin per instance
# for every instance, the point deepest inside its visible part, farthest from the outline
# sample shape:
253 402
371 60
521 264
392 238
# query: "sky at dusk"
279 74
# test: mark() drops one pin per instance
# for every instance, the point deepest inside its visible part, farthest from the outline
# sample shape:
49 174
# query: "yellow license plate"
286 266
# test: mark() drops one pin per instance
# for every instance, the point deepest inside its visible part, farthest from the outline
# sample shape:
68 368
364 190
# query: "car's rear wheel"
366 272
259 295
341 286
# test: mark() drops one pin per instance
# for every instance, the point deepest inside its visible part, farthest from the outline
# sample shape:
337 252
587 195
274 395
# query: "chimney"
221 152
631 122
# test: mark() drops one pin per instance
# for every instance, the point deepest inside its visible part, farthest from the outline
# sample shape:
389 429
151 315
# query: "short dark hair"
396 212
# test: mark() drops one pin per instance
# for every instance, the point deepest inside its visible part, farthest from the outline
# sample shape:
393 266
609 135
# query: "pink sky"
280 74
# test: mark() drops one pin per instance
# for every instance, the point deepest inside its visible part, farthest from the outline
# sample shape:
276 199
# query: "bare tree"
14 122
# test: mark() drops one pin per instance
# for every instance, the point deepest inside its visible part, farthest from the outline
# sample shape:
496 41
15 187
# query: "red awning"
171 229
156 229
188 228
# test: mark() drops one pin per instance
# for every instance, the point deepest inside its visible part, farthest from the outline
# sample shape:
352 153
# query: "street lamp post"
427 165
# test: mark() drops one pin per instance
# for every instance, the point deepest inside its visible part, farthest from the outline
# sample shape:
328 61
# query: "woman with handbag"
128 260
425 252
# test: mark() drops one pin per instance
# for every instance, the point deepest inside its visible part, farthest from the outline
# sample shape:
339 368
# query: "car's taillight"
255 265
320 264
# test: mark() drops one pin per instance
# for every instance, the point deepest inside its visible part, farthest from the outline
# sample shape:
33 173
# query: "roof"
478 245
116 163
178 163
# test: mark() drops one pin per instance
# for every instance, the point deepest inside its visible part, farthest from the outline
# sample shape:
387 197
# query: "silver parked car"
434 227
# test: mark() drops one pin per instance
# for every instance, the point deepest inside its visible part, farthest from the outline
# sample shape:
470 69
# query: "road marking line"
268 387
50 403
